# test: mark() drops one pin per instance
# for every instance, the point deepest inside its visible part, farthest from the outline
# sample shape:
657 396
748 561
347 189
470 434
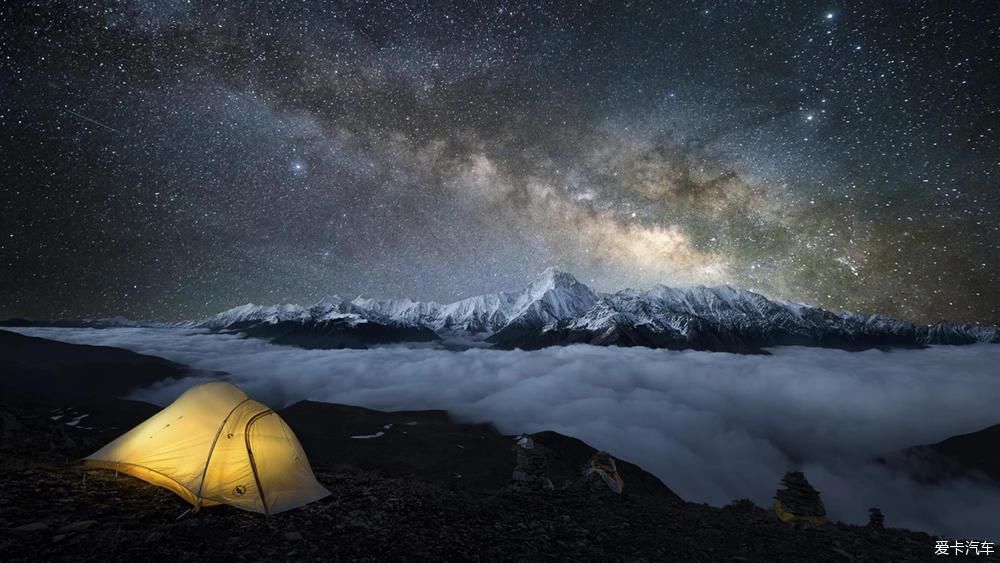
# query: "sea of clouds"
713 426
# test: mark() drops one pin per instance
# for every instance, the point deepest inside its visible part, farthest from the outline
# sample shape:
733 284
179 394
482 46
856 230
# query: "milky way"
172 159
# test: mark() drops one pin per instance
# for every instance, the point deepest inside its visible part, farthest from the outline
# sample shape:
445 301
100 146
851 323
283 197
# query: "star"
222 157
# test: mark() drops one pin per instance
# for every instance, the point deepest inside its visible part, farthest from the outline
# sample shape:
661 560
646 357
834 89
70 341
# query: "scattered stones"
743 505
78 526
33 527
373 516
358 523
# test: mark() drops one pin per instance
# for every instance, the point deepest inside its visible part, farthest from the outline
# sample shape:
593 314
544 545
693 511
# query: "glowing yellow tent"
214 445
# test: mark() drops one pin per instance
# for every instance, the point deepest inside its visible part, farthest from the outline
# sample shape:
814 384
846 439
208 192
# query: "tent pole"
253 463
212 449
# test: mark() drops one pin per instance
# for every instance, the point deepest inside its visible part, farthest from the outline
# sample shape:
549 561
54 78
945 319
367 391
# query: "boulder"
602 473
876 520
798 501
532 465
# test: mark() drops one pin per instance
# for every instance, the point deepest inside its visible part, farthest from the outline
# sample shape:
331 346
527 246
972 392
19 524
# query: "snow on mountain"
557 309
256 313
553 296
480 314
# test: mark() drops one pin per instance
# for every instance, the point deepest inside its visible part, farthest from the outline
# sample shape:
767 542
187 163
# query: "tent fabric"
215 445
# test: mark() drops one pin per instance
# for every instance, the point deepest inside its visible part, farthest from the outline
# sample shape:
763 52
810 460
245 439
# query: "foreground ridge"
381 510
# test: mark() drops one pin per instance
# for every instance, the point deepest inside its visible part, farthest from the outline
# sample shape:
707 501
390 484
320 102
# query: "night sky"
172 159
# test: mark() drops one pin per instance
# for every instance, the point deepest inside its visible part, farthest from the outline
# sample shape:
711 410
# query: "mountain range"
557 309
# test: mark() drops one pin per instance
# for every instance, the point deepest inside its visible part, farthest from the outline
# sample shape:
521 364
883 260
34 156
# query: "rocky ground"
406 486
53 509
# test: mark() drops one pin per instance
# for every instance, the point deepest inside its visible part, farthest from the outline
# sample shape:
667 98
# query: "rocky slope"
54 510
974 455
33 369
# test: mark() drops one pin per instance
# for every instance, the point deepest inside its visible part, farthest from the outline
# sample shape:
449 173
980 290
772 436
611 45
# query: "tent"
214 445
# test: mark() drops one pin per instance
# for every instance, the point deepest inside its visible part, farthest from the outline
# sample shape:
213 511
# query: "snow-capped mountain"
251 313
553 297
556 309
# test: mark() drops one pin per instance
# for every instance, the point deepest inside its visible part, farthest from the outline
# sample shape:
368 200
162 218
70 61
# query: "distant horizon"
538 276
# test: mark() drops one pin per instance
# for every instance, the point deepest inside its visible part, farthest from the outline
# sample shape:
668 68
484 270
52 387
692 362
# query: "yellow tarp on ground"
215 445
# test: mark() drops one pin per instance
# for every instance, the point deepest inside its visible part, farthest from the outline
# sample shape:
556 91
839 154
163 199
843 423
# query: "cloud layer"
714 427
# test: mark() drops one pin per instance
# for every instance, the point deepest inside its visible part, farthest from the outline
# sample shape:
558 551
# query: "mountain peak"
554 295
330 301
556 308
551 278
553 281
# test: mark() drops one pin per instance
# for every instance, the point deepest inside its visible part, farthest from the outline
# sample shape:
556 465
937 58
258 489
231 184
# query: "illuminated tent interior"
214 445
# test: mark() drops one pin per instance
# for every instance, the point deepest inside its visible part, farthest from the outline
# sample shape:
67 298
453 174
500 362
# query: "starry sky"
172 159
